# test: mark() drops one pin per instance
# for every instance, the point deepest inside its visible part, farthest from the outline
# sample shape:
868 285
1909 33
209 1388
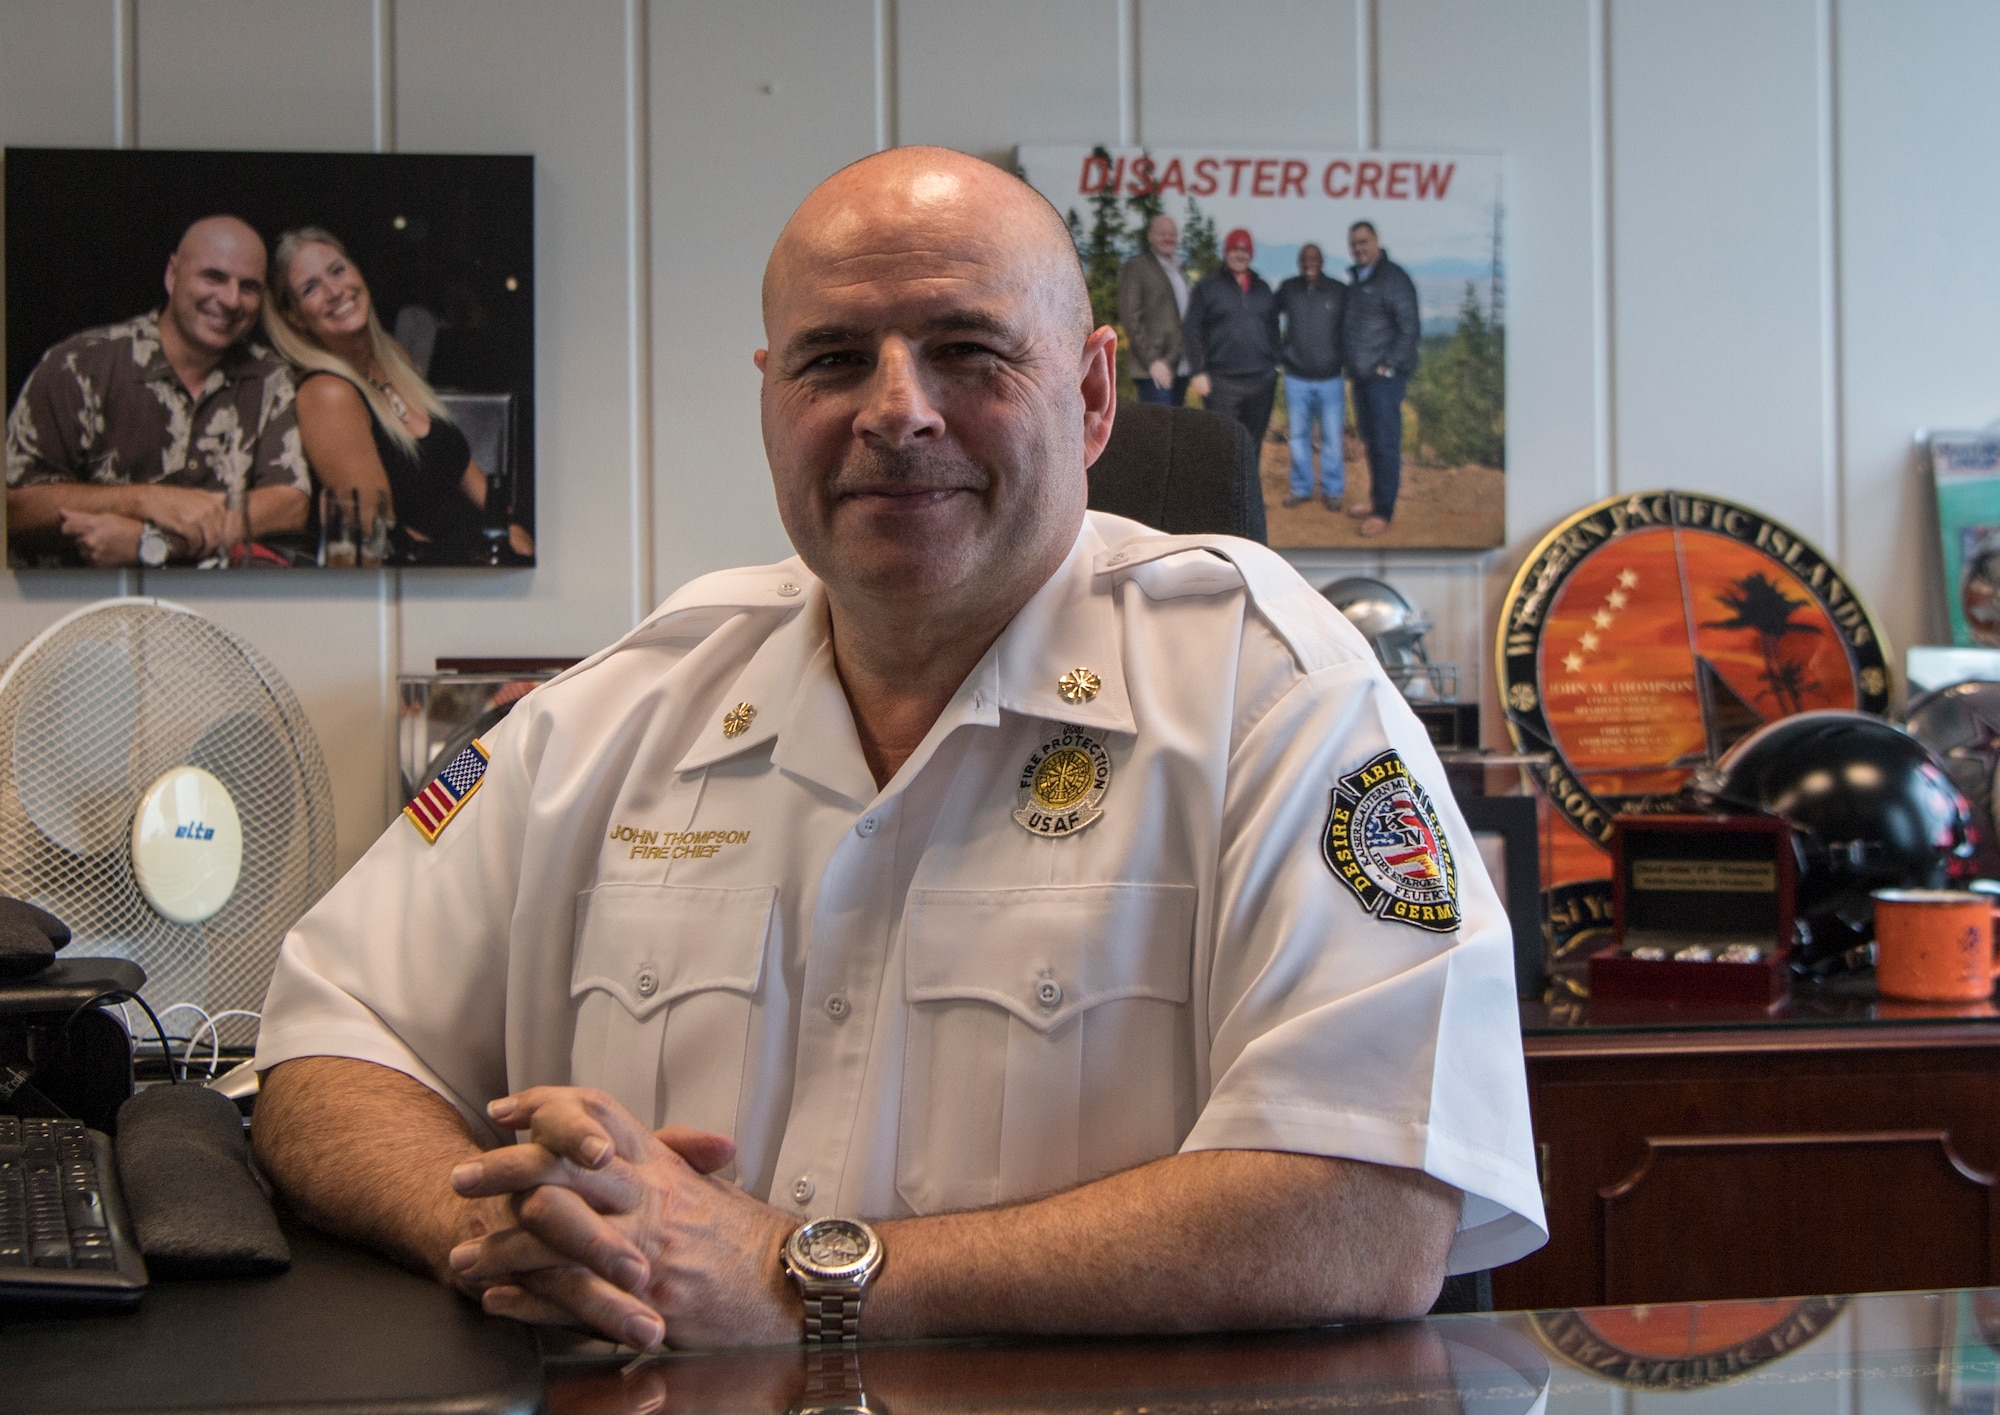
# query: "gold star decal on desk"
1602 619
1589 641
737 720
1079 685
1617 598
1573 661
1628 579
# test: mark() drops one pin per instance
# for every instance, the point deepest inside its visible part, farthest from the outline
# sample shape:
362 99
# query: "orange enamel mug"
1934 945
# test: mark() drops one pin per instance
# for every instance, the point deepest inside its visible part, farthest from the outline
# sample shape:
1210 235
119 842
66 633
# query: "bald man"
996 918
126 442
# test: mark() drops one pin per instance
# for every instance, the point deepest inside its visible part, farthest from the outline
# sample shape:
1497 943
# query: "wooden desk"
1836 1145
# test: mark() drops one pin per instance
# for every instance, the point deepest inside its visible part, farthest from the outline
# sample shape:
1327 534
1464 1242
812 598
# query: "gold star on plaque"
1616 599
737 720
1602 619
1589 641
1628 579
1573 662
1079 685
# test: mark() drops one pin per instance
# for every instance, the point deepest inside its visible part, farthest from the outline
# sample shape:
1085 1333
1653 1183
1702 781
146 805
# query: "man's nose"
898 409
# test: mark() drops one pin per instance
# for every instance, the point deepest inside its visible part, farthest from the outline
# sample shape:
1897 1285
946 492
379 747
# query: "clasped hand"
623 1230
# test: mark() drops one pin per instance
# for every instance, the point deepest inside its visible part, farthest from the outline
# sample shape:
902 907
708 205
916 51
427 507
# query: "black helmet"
1870 807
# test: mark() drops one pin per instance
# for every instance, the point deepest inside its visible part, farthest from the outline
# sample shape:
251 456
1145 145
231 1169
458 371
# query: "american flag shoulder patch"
433 807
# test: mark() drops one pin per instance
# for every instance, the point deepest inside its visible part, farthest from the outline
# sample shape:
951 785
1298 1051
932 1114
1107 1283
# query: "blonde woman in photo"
372 427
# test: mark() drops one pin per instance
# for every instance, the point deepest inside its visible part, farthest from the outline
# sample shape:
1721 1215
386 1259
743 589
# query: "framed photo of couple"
238 360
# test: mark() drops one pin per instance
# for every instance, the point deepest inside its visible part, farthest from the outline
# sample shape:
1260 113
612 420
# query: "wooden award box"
1691 885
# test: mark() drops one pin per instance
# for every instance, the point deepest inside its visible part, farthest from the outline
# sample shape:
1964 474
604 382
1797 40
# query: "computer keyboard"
64 1235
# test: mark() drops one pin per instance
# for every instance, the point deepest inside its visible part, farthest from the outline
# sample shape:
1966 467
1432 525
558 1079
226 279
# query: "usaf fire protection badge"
1383 841
1063 783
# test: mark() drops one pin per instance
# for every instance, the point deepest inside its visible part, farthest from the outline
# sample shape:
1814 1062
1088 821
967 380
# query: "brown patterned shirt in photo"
105 406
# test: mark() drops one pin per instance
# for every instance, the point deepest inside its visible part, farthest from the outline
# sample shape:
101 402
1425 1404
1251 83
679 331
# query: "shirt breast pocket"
1049 1038
663 983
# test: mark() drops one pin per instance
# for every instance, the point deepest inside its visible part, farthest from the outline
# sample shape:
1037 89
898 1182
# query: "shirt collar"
1069 625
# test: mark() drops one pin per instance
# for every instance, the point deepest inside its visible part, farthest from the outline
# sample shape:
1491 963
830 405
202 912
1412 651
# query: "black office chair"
1180 470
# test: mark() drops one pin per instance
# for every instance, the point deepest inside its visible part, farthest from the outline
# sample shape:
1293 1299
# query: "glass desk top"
1849 1002
1907 1352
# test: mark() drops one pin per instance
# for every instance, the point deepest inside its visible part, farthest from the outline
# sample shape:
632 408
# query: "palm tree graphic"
1758 604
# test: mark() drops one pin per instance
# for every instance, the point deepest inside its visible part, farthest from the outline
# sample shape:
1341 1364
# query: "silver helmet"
1393 626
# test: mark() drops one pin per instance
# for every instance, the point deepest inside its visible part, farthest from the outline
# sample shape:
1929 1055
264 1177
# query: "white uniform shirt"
904 1000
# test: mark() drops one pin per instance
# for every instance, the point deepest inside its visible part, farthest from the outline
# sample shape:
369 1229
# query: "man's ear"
1099 374
167 280
760 357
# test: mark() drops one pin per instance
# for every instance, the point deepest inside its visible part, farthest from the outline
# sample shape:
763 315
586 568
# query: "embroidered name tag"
1383 842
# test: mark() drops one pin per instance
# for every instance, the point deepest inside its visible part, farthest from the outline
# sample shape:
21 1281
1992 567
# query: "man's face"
1164 237
1311 262
1362 243
923 398
1237 259
215 284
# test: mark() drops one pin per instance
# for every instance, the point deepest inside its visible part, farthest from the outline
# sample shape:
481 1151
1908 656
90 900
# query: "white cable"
167 1046
208 1024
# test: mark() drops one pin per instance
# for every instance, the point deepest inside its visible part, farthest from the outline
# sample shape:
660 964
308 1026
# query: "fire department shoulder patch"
1384 842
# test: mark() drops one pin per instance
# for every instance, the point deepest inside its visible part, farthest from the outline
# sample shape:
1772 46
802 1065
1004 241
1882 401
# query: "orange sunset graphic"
1628 639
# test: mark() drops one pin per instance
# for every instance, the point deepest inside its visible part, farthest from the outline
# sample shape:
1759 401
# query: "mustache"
875 470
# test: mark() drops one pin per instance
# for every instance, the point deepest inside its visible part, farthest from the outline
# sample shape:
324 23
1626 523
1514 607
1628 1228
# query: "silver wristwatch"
833 1260
153 546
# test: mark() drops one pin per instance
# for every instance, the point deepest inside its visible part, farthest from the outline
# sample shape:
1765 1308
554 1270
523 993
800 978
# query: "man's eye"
965 349
836 359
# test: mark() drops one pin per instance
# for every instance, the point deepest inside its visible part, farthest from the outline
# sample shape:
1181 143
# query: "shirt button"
836 1007
788 589
802 1189
1118 559
865 827
1048 992
648 982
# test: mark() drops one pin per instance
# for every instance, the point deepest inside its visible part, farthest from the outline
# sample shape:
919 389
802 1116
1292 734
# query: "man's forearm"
366 1152
37 510
1205 1241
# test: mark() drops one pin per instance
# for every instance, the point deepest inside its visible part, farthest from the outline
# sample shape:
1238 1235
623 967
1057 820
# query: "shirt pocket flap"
648 944
1047 953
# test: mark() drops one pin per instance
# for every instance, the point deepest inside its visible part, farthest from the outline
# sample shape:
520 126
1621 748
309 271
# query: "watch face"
836 1247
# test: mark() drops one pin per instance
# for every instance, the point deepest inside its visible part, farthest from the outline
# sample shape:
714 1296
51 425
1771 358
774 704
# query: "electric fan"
164 795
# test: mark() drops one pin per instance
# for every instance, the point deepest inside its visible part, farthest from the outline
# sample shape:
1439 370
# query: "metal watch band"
832 1317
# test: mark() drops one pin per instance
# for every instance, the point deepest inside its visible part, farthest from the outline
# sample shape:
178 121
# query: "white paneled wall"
1749 248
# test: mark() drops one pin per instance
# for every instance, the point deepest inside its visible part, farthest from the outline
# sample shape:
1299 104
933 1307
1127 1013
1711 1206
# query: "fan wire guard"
92 712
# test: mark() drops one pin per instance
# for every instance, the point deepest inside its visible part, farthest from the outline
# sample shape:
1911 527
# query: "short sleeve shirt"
1095 919
105 406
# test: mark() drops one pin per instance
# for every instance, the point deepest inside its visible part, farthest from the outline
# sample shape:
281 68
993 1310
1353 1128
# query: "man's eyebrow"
826 336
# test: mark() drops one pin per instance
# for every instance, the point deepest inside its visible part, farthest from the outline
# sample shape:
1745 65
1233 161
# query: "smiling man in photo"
127 442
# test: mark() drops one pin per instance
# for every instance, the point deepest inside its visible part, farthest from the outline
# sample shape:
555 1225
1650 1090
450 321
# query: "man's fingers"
704 1151
517 1169
564 1221
583 1125
503 1257
569 1296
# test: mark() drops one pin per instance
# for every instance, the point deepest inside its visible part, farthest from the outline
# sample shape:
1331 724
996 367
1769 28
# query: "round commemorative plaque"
1643 637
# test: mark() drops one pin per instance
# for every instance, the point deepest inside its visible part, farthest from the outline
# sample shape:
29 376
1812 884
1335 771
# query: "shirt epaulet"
1317 634
704 604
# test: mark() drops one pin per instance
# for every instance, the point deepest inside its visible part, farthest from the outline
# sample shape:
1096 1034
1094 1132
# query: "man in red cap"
1230 337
